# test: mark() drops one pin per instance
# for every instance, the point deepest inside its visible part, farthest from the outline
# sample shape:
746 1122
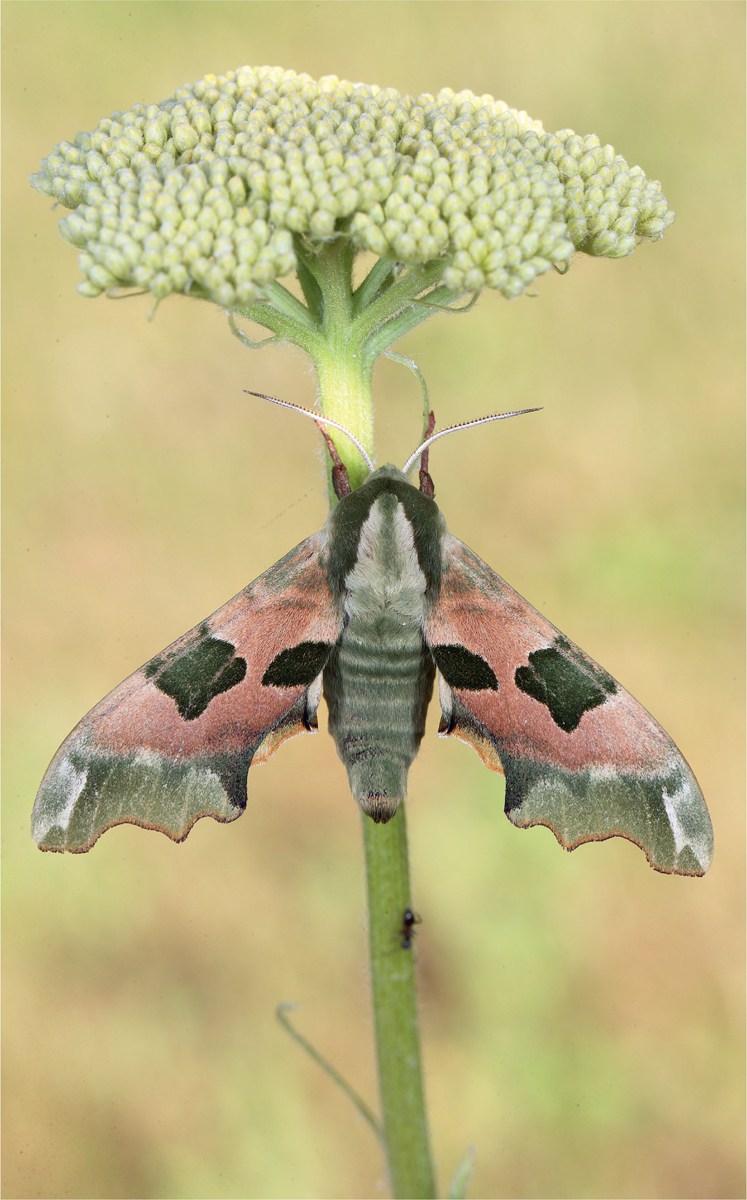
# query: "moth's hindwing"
174 742
579 754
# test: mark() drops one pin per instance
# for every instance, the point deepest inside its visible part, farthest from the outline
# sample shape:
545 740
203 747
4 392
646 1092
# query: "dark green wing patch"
196 674
297 666
463 669
565 681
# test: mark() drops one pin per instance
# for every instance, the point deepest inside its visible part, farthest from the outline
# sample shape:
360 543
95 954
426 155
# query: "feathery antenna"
423 447
319 420
463 425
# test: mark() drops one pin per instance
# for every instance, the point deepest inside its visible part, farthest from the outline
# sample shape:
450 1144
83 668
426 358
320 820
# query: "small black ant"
409 919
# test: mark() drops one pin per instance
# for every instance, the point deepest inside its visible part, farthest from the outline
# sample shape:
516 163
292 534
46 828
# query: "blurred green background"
582 1016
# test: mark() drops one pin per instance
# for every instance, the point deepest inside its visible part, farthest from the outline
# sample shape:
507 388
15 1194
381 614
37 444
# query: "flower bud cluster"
208 190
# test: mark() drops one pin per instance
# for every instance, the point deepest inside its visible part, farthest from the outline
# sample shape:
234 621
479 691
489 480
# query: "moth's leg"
426 483
340 480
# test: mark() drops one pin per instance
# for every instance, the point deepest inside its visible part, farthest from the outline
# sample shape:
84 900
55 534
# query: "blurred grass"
582 1016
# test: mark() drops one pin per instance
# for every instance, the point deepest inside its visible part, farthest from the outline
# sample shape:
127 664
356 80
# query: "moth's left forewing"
175 740
579 753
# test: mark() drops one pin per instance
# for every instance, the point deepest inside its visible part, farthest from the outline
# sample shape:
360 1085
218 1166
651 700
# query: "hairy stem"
395 1010
345 396
344 368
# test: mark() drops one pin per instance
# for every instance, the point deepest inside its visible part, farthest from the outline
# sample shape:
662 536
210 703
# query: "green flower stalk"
384 209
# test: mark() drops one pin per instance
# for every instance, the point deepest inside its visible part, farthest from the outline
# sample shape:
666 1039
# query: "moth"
373 612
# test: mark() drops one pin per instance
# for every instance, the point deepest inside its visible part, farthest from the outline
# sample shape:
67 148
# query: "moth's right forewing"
579 753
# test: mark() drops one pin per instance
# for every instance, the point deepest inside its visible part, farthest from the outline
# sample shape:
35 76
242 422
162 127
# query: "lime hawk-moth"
372 612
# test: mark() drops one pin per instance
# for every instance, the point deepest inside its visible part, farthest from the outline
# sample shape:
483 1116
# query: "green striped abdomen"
379 677
377 684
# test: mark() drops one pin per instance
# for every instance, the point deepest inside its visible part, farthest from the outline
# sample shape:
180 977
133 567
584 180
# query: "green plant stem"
395 1009
344 346
281 1012
344 331
345 396
343 368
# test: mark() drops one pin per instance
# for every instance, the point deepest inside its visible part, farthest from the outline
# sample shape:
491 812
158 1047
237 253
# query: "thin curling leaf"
209 191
